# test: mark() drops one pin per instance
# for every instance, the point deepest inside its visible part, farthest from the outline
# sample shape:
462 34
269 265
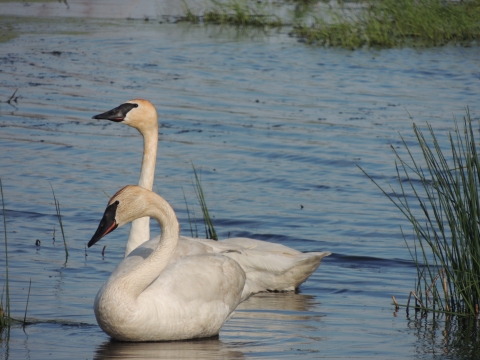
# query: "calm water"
276 129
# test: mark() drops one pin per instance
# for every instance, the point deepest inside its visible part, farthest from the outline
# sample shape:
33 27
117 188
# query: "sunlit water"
276 129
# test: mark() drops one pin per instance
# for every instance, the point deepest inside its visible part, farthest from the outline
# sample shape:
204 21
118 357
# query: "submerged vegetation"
446 248
354 24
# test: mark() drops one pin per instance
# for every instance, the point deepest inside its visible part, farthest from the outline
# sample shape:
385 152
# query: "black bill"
118 114
107 224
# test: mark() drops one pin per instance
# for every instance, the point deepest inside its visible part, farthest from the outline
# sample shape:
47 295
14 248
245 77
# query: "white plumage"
268 266
152 299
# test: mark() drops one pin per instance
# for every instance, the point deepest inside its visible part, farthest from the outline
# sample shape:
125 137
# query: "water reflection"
287 301
263 319
447 335
211 348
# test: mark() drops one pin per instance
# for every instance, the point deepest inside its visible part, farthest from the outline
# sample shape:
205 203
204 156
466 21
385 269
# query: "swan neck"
135 281
150 145
140 230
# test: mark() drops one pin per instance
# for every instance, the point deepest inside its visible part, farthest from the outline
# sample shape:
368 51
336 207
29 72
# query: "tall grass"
390 23
5 318
210 232
446 248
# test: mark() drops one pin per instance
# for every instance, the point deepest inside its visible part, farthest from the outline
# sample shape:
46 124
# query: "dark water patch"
369 262
14 214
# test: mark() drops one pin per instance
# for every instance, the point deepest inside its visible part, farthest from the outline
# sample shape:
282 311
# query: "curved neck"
150 145
140 230
135 281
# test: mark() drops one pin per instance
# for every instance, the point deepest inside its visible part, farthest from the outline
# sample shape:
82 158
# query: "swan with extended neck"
153 300
268 266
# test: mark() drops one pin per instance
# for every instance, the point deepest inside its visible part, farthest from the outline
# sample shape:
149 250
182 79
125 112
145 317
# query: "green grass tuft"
210 232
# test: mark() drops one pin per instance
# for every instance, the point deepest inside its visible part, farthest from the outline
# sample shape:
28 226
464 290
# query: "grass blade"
5 319
59 216
210 232
26 307
189 218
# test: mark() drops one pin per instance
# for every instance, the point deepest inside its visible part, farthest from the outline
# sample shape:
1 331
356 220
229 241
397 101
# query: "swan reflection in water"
210 348
265 315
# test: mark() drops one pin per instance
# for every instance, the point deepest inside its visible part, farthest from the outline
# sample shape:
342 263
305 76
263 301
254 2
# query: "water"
276 129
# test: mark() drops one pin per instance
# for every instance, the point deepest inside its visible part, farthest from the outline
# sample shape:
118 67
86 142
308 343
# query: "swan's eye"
135 105
117 202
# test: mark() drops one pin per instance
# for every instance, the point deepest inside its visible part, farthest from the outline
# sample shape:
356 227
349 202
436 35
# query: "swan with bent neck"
154 300
268 266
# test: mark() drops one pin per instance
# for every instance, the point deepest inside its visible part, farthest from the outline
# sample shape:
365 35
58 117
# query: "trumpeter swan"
268 266
152 299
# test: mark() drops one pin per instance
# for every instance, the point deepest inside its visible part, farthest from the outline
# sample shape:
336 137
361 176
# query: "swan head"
138 113
128 204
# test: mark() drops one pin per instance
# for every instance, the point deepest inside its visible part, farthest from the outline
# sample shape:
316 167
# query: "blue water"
276 130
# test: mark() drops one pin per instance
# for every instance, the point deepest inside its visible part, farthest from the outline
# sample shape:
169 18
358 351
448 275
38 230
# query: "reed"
210 232
5 318
26 307
446 246
389 23
59 216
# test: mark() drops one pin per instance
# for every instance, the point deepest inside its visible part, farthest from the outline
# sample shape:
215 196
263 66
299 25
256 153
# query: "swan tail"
304 267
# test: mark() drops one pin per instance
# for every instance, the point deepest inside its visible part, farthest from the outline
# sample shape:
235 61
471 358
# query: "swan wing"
269 266
192 297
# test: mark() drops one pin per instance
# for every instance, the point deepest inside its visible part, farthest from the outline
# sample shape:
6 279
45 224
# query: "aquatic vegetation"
210 232
234 12
354 24
445 214
191 221
390 23
59 216
5 318
26 306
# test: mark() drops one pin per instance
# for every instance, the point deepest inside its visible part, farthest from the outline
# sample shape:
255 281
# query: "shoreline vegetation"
355 24
439 195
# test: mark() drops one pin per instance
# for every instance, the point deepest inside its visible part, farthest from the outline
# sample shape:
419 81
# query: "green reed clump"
210 232
446 247
236 12
390 23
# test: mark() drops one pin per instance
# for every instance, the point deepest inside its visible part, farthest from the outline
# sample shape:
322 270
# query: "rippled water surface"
276 129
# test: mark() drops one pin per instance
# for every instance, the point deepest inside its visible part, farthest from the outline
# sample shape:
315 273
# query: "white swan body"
151 299
268 266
